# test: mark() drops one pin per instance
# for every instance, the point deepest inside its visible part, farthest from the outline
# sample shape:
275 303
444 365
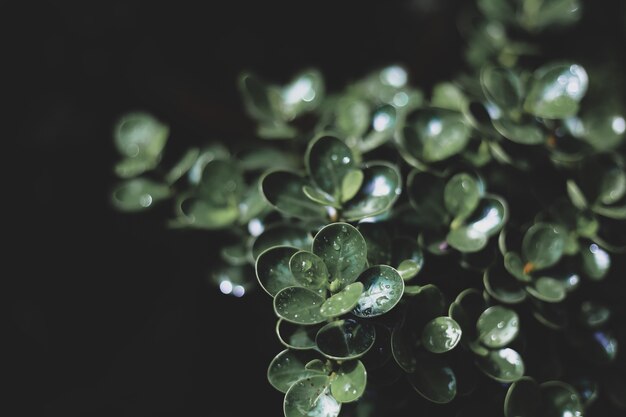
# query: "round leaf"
489 217
345 339
349 383
352 116
497 326
426 194
299 305
503 365
559 399
295 336
461 195
527 132
435 134
596 261
502 87
139 194
283 190
543 245
547 289
309 270
272 269
441 335
140 135
504 288
383 289
467 239
522 398
408 269
183 166
286 369
342 302
310 397
351 184
556 90
465 310
318 196
256 97
407 255
328 161
343 250
434 380
403 342
515 266
282 234
302 94
380 188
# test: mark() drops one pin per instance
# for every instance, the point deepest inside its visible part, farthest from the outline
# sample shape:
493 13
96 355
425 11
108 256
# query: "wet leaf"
342 302
310 397
497 326
286 369
328 161
345 339
350 381
383 289
272 269
441 334
343 250
299 305
543 245
503 365
380 188
309 271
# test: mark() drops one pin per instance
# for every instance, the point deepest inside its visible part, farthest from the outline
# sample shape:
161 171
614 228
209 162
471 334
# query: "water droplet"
334 157
346 160
145 200
336 246
306 265
500 325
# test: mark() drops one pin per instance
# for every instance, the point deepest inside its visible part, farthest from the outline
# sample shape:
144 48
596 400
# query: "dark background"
111 313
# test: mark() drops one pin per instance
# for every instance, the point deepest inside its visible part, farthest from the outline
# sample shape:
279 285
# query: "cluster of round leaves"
390 180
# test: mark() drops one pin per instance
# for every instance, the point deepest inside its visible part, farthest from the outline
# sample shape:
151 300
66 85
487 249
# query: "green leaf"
351 184
497 326
465 310
560 399
286 369
435 134
131 167
342 302
441 334
596 262
199 213
320 197
522 398
184 164
255 94
407 255
221 183
283 190
434 380
282 234
502 87
594 315
543 245
384 121
138 194
489 217
426 194
461 195
140 135
449 96
503 288
309 270
272 269
503 365
343 250
515 266
604 129
576 195
352 116
349 383
378 243
524 132
299 305
328 160
295 336
345 339
612 186
547 289
556 90
380 188
302 94
383 290
466 239
310 397
403 342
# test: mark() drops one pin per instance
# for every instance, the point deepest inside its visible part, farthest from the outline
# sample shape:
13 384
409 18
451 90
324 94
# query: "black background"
110 313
